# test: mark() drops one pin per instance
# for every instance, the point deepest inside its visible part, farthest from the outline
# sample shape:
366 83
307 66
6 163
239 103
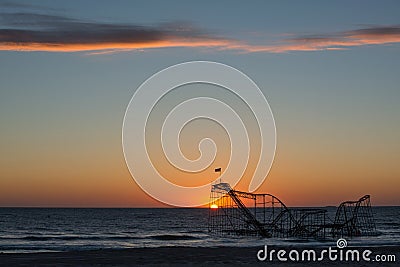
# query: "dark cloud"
52 29
376 30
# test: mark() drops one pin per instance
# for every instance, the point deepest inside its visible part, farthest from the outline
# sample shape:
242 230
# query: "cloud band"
39 32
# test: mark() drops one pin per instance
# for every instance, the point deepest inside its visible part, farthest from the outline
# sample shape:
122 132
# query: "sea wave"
173 237
162 237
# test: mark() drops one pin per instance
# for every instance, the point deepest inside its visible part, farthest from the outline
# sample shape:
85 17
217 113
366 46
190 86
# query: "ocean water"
54 229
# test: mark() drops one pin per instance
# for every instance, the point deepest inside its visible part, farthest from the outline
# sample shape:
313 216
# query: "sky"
329 70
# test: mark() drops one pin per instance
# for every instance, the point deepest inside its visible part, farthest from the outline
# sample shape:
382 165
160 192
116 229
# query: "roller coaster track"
348 218
269 217
248 215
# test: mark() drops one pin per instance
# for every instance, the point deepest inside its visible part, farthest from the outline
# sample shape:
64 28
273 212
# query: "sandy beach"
176 256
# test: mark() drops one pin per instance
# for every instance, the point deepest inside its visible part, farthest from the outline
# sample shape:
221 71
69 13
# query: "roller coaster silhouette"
235 212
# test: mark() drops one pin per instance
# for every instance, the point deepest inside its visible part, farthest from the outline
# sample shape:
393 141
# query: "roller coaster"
233 212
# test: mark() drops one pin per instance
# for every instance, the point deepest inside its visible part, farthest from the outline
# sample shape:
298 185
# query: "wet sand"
179 256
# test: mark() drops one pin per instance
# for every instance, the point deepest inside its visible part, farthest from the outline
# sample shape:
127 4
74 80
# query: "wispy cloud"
42 32
375 35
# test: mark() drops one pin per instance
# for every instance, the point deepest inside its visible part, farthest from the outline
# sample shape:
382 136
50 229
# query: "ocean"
31 230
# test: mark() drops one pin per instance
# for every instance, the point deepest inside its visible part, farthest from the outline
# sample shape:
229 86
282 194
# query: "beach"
179 256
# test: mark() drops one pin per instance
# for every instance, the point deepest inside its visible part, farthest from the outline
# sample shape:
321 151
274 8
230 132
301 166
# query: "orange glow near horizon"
91 172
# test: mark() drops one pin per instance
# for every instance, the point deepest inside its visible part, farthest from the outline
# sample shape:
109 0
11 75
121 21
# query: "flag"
218 170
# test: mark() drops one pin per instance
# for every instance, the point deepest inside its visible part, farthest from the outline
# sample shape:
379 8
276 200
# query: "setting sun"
214 206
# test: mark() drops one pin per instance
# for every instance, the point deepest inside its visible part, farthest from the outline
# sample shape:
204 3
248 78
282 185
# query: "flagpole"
219 170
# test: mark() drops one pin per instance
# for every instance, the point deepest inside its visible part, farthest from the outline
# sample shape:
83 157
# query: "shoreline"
184 256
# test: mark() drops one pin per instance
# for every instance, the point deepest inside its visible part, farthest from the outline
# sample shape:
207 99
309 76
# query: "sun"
214 206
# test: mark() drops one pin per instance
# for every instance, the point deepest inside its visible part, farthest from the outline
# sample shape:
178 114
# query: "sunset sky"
329 70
